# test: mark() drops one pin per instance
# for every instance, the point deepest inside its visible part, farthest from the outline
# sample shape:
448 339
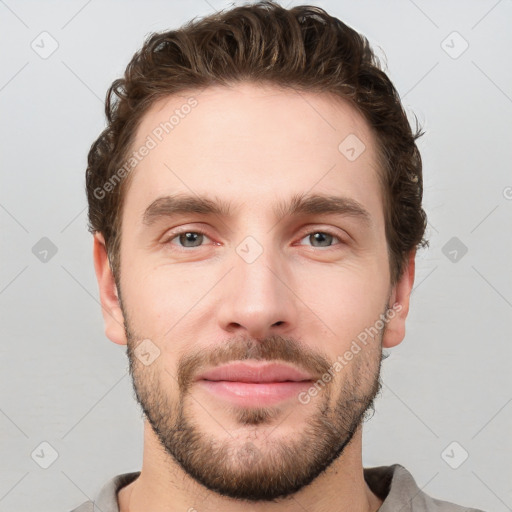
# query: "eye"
321 238
187 239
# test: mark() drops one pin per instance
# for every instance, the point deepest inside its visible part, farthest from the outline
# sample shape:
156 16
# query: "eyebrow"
300 204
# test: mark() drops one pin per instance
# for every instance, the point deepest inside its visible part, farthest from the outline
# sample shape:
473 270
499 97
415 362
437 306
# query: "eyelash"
199 231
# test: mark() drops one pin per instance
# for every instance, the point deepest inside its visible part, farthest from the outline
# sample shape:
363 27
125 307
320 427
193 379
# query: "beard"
250 467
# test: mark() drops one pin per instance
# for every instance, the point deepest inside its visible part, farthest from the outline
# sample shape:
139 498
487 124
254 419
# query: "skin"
254 146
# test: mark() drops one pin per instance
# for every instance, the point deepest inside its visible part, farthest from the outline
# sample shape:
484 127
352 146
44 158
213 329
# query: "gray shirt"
392 484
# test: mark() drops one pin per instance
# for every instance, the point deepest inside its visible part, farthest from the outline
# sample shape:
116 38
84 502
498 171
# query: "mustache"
271 348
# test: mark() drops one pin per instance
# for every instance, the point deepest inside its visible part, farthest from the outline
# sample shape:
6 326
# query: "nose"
257 298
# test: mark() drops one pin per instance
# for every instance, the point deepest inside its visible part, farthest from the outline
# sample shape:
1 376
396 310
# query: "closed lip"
257 373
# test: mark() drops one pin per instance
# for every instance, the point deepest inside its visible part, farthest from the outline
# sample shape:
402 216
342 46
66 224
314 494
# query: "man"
256 207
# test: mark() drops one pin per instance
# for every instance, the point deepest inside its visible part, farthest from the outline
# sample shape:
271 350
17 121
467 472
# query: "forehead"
251 144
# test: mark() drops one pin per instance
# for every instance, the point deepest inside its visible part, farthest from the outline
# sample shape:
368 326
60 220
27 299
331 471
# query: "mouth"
256 373
255 384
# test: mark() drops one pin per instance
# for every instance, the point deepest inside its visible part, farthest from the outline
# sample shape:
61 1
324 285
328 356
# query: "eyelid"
341 235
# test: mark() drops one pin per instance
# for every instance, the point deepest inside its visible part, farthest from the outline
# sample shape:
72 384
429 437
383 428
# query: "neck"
163 485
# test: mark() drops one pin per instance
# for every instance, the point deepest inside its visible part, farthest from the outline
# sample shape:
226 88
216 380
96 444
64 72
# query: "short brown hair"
302 48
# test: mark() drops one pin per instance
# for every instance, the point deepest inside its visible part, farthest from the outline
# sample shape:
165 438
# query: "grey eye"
320 239
190 239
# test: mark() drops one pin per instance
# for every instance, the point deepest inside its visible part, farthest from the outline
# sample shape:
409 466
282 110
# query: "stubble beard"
251 467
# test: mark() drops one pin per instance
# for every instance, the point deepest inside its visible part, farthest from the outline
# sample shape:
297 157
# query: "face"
251 235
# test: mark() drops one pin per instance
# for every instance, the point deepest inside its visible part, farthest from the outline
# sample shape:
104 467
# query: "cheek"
160 299
146 298
347 299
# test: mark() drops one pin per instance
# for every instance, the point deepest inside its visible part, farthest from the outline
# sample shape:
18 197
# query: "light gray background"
64 383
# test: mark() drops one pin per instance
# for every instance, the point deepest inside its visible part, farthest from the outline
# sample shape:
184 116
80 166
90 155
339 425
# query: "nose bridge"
257 297
256 268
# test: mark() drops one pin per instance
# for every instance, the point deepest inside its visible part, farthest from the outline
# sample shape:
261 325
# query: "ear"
399 301
112 313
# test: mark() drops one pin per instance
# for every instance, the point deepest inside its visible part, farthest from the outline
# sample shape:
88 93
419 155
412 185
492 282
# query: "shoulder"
87 506
398 490
106 498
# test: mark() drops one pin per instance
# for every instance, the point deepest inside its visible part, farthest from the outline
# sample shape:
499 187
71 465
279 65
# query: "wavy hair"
303 48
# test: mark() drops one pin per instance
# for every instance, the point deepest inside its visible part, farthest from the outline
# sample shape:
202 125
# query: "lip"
254 384
256 373
251 394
